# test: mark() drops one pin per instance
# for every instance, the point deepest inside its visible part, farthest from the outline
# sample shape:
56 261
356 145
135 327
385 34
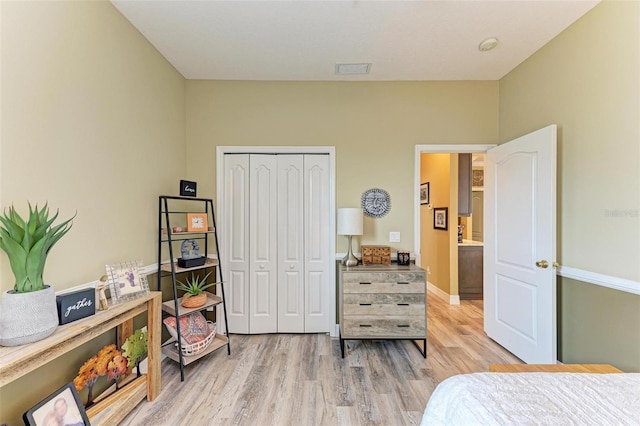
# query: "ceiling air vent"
352 69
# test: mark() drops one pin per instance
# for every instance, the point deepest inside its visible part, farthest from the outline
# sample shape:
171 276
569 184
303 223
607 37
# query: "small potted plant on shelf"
195 287
28 313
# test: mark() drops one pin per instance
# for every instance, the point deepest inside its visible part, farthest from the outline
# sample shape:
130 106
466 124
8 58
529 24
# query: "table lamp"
350 224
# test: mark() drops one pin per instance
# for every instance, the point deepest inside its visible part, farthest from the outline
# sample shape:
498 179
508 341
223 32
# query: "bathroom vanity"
470 269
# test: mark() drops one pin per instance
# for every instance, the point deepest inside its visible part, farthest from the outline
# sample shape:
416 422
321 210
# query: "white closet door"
290 244
236 241
317 250
263 241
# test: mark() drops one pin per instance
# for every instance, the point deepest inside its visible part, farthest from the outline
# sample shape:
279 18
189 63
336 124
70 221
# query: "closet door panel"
317 250
263 244
236 241
290 244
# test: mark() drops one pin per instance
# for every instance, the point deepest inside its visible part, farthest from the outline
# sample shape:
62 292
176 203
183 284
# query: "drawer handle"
365 283
403 304
365 304
403 325
365 325
402 282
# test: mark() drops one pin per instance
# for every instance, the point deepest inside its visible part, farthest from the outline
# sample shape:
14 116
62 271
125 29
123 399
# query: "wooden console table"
553 368
16 361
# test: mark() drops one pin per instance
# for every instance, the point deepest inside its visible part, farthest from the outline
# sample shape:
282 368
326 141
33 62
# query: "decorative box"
76 305
376 255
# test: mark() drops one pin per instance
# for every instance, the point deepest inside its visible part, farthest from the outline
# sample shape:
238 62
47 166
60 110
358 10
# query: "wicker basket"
195 348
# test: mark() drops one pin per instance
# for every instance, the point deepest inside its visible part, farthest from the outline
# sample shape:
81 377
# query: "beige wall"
374 127
587 80
92 121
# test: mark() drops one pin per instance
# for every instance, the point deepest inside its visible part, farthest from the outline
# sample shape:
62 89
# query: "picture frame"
477 179
441 218
126 282
188 188
197 222
64 406
424 193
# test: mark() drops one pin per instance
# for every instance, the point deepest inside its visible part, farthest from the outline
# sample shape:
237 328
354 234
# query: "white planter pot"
27 317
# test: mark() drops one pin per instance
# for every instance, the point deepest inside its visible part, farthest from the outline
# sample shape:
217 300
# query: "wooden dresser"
382 302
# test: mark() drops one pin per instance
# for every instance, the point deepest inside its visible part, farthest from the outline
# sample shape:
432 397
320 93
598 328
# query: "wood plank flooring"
290 379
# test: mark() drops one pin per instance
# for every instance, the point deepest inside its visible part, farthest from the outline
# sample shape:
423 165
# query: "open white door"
520 246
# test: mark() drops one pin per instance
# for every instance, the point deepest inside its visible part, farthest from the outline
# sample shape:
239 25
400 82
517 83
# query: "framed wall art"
441 218
125 282
197 222
477 179
424 193
63 407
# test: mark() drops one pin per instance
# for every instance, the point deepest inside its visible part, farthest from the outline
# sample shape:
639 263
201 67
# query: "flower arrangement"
97 366
135 349
112 363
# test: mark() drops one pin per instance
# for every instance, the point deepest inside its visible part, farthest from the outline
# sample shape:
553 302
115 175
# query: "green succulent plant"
27 244
195 285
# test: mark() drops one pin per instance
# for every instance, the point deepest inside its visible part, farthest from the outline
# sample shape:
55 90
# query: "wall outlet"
428 270
394 237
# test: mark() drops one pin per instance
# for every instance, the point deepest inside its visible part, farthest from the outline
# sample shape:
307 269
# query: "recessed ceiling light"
352 69
488 44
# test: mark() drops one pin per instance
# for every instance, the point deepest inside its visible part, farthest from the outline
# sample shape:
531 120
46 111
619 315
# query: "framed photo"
197 222
125 282
441 218
477 179
424 193
63 407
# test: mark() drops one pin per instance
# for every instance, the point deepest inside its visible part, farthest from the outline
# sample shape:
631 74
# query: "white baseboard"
450 299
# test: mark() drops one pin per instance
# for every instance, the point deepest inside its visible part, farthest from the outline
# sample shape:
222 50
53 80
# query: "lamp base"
350 259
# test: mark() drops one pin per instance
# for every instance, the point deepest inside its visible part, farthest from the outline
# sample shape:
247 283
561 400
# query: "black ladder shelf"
166 268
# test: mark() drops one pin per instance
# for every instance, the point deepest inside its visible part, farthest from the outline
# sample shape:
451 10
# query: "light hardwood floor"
290 379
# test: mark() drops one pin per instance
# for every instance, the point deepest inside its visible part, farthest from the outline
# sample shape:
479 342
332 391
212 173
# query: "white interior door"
235 242
290 244
317 248
520 246
263 240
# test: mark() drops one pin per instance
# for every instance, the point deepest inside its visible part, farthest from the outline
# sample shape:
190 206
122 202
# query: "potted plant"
28 312
194 288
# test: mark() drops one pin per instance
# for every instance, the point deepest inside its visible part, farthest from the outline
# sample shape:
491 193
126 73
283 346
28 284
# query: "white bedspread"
535 399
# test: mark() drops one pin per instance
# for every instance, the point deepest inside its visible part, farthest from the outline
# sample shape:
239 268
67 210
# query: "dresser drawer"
383 282
367 327
403 304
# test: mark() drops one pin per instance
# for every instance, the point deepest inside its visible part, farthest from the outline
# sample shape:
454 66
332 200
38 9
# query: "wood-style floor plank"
290 379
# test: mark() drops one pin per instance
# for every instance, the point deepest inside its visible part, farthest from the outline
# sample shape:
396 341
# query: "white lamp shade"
350 221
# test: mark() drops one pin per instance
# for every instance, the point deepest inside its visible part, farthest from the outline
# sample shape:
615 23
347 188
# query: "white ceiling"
305 39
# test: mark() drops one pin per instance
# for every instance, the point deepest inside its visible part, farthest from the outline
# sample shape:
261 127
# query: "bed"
535 399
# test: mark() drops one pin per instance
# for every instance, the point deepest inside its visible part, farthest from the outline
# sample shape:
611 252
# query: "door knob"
542 264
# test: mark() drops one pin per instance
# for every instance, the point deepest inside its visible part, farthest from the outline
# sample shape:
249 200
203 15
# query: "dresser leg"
342 346
424 346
